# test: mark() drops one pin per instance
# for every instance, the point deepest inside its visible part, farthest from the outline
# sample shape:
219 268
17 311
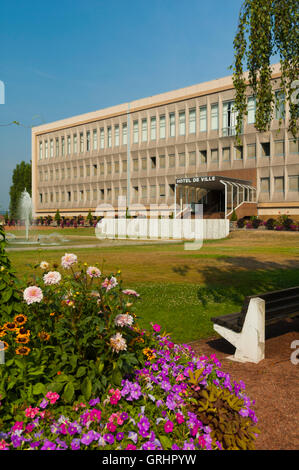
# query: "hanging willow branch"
266 28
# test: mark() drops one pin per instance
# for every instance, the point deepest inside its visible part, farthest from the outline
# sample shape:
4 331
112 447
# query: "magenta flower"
156 328
168 426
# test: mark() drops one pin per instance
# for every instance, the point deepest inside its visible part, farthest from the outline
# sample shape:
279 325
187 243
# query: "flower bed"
80 373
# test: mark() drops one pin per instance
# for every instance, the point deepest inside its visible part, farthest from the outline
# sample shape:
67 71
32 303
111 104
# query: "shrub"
152 410
270 224
241 223
255 222
234 217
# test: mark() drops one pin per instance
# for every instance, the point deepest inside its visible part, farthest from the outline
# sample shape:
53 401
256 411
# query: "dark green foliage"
21 179
241 223
266 28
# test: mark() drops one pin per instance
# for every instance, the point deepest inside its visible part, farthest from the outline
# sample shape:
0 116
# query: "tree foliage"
21 179
266 28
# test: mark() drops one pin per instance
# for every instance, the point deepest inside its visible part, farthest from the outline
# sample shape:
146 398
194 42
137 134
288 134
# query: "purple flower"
94 402
61 443
75 444
124 416
43 404
109 438
48 445
133 436
119 436
87 438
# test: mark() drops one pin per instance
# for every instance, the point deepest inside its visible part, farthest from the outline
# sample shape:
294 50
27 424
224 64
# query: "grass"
182 290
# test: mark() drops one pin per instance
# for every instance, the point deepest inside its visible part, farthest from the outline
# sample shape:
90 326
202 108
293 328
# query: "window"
226 154
192 121
279 105
46 175
94 194
214 117
125 133
46 149
144 192
239 152
251 151
95 169
279 148
294 183
203 119
144 130
135 132
40 175
75 143
143 163
46 197
102 168
124 166
265 149
40 150
62 173
75 196
153 128
81 172
162 190
116 167
109 168
40 198
153 191
95 139
182 123
81 195
116 135
135 164
214 155
87 170
68 144
162 161
75 172
108 193
57 196
192 158
265 185
57 147
102 138
203 156
171 125
51 197
182 159
153 162
102 194
51 148
162 127
88 195
171 161
81 142
293 146
116 193
279 184
68 172
57 173
251 110
109 137
69 196
229 118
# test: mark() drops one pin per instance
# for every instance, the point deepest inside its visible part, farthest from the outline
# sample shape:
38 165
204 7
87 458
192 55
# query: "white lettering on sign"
196 179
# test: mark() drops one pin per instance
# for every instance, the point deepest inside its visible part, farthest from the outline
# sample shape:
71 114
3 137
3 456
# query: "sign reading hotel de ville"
196 179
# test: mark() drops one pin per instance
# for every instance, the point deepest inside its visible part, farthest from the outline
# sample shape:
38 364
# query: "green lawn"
181 289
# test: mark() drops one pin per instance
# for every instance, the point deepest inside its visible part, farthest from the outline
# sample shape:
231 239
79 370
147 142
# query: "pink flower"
111 427
29 427
123 319
168 426
92 271
110 283
53 397
201 441
52 277
156 327
3 445
32 294
130 292
118 343
180 418
31 412
130 447
68 260
17 426
116 396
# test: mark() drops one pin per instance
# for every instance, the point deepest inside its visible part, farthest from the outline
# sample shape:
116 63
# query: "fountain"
25 213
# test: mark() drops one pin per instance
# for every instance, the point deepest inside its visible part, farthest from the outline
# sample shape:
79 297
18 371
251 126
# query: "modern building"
178 146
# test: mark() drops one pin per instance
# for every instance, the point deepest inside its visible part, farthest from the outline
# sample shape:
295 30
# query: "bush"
241 223
234 217
270 224
255 222
160 407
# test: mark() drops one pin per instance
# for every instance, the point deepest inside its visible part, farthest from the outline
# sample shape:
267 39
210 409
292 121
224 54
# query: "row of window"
145 192
145 130
279 184
168 161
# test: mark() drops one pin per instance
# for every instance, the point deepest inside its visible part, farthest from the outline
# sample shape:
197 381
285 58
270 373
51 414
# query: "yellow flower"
22 339
23 351
20 319
52 314
44 336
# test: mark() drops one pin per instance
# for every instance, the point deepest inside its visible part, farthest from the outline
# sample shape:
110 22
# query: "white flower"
68 260
33 294
118 343
52 277
124 320
92 271
44 265
131 292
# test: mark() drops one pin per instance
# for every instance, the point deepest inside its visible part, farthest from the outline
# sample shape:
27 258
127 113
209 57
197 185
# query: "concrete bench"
246 329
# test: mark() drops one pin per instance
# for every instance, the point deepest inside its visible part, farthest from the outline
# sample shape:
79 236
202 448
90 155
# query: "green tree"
266 28
57 217
21 179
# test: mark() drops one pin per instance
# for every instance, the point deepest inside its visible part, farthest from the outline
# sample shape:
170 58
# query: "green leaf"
68 392
116 376
86 388
81 371
166 443
38 389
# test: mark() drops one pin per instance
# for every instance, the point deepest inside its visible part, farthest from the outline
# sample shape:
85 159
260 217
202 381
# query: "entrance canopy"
235 191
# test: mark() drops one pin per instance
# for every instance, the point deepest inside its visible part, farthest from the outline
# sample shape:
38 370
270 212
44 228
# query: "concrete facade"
138 149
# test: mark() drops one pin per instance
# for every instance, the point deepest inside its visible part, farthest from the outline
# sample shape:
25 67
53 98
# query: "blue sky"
68 57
